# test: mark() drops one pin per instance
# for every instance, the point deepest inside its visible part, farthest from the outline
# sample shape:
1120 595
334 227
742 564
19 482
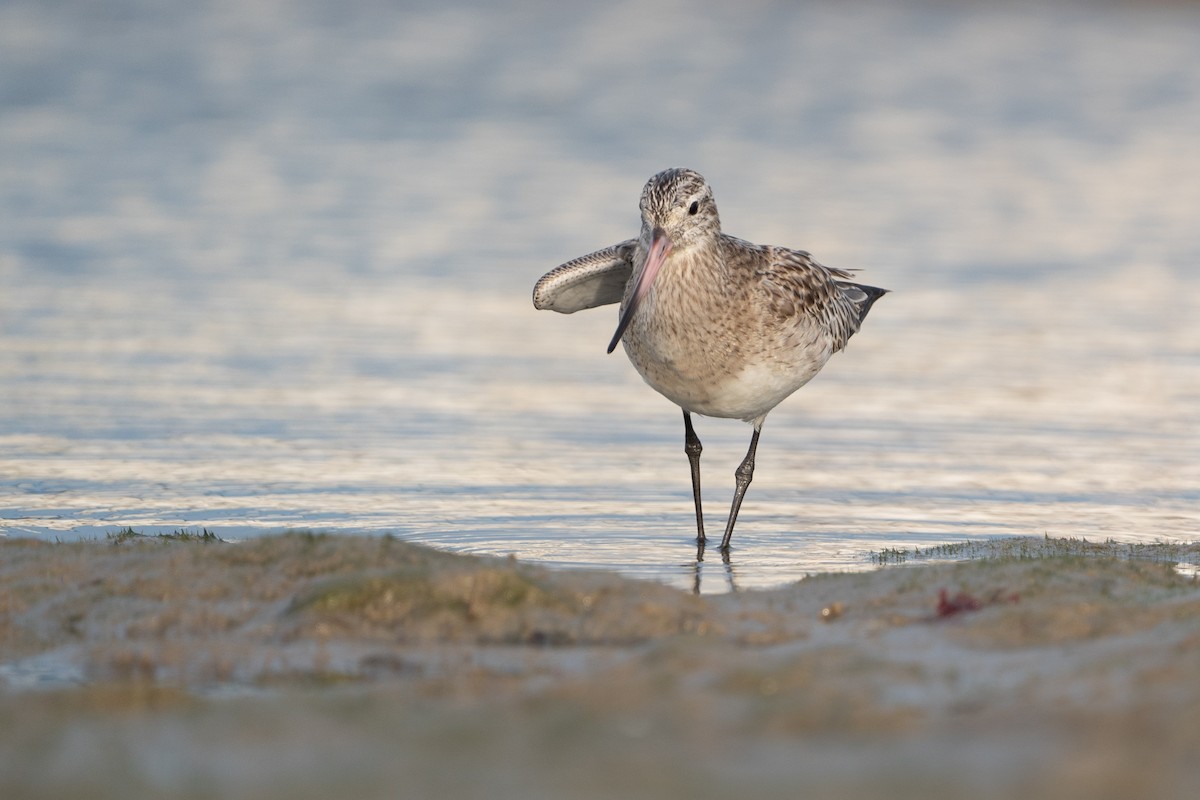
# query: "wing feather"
800 286
597 279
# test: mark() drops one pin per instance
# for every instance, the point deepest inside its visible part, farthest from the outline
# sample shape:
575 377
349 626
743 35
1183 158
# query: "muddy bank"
311 666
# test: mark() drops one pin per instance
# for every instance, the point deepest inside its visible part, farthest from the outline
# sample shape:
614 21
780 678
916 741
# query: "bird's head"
678 203
678 214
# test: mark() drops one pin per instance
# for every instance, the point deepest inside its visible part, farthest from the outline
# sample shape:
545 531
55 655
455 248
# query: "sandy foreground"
329 666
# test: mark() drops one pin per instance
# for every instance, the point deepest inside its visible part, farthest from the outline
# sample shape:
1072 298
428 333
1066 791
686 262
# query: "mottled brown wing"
597 279
799 286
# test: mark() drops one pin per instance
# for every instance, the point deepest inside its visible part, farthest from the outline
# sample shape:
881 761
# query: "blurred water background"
266 266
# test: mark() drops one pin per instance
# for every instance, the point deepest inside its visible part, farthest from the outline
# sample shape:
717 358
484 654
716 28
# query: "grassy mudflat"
312 666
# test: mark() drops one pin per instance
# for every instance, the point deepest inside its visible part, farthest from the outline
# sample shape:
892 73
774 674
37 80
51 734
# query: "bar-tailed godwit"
717 325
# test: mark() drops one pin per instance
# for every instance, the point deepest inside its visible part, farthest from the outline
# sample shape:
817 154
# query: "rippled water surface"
268 268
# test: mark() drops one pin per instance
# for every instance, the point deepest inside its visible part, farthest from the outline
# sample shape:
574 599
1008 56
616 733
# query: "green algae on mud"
1032 547
128 534
433 605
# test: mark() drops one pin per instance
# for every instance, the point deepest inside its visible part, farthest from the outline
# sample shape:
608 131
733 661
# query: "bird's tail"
863 304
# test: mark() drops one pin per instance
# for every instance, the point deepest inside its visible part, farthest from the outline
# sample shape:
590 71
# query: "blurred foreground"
308 666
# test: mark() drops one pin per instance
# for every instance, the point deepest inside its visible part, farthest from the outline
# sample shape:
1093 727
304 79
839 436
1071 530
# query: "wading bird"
717 325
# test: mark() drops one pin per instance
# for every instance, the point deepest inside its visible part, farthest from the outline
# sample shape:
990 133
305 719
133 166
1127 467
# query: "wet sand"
318 666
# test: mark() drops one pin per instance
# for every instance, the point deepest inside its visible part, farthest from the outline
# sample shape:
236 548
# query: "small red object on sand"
949 606
965 601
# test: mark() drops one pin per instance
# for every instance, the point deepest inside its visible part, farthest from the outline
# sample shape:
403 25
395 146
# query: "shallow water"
269 268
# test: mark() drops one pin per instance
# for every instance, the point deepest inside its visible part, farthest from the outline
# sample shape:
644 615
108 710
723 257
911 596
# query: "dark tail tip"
873 293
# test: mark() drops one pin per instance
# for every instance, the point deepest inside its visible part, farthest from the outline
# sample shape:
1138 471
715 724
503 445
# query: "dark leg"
691 446
744 474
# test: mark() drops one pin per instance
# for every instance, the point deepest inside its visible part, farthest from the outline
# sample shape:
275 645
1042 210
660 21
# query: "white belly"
756 388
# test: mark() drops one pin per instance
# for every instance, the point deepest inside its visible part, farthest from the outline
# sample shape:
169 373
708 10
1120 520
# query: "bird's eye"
693 208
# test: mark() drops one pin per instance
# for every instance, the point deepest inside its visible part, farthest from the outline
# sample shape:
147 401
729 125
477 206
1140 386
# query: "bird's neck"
695 259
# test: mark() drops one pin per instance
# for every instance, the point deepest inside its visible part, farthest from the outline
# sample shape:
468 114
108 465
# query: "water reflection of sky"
268 267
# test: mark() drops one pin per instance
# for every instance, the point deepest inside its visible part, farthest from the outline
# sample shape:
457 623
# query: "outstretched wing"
597 279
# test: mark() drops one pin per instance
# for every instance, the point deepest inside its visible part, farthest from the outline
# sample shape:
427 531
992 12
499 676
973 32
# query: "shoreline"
1062 675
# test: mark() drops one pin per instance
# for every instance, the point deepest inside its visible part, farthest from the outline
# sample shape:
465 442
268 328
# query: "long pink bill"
660 245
